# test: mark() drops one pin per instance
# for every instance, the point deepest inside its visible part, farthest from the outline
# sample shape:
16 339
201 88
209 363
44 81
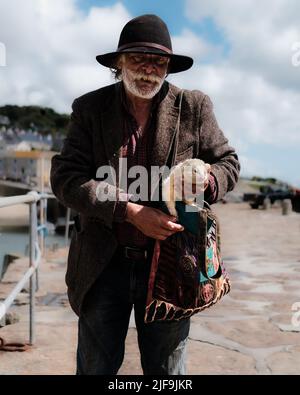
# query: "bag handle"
176 137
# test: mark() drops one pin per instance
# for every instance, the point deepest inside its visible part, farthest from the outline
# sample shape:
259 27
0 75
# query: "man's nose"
148 68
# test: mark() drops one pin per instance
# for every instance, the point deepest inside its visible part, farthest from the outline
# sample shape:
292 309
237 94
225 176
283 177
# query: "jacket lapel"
112 128
167 116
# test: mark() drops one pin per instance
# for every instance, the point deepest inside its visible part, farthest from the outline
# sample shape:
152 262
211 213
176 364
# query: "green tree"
43 119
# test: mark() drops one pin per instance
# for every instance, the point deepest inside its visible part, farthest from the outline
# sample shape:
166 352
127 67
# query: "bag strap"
176 137
174 144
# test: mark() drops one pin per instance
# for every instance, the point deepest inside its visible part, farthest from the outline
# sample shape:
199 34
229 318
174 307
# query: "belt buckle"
135 250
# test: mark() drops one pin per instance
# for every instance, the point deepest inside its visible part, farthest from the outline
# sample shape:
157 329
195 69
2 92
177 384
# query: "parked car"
269 194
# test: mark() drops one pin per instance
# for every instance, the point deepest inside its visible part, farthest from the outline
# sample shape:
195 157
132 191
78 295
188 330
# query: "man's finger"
172 226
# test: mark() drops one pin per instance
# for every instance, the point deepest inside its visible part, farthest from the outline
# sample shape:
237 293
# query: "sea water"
15 240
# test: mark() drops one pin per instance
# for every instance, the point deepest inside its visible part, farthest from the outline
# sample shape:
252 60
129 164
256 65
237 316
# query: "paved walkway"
249 332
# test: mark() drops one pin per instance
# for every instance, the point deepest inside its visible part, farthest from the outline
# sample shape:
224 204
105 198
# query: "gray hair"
117 70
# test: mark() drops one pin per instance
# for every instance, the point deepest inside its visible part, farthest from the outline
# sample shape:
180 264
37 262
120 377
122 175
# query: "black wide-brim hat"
147 34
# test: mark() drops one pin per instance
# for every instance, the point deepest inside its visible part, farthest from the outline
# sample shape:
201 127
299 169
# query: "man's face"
143 74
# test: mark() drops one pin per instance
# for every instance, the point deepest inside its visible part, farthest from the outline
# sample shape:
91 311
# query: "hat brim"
177 63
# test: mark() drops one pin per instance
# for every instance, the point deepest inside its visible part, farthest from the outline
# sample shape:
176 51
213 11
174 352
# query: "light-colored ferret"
186 180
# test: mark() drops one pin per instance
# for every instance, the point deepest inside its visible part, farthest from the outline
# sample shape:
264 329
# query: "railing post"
40 238
68 216
32 281
42 224
34 255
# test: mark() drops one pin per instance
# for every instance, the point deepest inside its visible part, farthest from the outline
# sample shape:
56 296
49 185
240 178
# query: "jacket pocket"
74 255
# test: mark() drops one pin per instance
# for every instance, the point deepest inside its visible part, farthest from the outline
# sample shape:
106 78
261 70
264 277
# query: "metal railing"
68 223
36 249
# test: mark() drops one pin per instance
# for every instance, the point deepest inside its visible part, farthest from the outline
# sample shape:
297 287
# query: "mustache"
146 77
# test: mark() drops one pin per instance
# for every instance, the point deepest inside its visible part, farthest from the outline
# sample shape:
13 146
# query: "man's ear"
168 71
120 61
118 64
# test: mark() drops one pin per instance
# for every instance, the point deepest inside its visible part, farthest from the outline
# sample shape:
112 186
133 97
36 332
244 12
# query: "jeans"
104 321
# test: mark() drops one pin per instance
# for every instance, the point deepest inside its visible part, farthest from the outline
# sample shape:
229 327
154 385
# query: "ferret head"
196 171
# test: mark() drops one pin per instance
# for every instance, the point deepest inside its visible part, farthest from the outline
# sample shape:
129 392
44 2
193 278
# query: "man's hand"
152 222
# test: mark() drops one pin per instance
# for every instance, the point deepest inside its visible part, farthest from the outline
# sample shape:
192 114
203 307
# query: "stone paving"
249 332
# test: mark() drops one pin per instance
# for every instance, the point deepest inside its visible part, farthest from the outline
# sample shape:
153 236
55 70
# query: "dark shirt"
136 148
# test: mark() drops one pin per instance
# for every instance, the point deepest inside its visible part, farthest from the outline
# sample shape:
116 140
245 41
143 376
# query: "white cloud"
260 34
188 43
246 105
51 48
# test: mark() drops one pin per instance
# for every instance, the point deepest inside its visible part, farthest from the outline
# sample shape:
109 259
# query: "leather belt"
134 253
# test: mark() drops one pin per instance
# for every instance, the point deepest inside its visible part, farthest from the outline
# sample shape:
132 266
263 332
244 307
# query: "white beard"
129 79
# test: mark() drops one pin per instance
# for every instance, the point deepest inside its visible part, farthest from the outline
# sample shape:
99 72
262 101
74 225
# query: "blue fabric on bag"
188 219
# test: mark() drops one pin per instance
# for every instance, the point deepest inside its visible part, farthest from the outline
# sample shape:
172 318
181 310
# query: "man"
110 252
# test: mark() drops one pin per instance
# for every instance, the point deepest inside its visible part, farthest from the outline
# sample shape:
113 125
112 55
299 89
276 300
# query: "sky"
246 58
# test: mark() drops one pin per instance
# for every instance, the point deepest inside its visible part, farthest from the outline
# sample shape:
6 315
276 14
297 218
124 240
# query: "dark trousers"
104 320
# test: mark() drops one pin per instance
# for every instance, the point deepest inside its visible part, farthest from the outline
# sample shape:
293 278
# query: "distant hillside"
256 182
44 120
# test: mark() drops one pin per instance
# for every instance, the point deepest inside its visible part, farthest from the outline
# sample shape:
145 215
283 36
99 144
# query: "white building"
29 167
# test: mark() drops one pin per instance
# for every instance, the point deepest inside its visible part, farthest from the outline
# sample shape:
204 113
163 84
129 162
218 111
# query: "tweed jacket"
95 138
